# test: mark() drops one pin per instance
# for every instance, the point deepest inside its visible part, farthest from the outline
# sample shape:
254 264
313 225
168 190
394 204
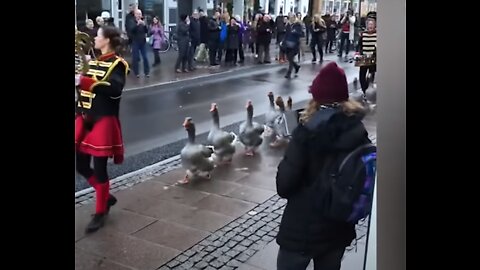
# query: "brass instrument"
366 60
83 44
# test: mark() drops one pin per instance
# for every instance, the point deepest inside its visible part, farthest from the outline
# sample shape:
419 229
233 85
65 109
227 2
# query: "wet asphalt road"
152 118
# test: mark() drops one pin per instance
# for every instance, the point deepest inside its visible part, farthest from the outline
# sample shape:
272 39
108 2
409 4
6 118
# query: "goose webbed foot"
249 152
184 181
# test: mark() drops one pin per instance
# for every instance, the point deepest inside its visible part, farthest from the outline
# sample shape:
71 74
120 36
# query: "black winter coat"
264 33
204 29
233 39
183 35
302 228
214 31
194 30
139 33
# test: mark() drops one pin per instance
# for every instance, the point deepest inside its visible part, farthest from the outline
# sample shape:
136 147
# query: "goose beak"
187 122
213 107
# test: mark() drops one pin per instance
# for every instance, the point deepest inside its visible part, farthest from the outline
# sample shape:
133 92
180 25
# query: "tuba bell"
83 44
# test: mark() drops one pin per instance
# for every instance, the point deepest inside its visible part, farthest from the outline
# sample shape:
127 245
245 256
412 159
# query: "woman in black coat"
233 42
331 124
183 41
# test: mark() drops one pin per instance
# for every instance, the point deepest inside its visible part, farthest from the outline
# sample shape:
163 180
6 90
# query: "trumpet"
83 44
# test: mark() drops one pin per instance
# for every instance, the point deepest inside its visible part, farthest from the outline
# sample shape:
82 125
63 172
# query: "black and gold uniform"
97 126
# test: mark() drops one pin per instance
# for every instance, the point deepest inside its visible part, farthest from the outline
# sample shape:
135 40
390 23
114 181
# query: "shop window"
152 8
90 9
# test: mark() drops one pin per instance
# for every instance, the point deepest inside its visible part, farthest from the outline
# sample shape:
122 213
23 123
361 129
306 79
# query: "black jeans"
344 38
287 260
156 55
291 60
317 42
307 34
264 53
212 51
364 82
231 56
241 54
329 45
191 53
183 50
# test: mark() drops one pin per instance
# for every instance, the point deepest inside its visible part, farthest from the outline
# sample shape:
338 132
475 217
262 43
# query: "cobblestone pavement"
235 243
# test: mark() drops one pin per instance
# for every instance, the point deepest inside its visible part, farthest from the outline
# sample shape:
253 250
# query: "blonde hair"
318 19
349 107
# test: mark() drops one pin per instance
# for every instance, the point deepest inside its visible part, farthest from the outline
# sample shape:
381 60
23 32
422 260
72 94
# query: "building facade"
341 6
168 10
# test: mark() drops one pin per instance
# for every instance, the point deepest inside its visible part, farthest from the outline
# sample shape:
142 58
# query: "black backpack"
347 189
343 190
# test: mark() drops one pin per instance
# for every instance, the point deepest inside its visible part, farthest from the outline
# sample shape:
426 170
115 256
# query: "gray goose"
195 157
222 141
250 133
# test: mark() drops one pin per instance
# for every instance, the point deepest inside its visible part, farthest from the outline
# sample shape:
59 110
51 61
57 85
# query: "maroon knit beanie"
330 85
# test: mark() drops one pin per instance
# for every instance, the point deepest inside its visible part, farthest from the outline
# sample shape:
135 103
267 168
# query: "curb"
132 178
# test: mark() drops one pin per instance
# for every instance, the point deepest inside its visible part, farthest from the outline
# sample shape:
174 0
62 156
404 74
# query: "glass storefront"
90 9
340 6
152 8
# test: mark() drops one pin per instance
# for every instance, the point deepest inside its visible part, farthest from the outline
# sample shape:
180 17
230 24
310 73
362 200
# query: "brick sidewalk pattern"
235 243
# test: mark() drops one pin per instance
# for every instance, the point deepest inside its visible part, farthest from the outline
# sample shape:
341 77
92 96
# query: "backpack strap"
353 153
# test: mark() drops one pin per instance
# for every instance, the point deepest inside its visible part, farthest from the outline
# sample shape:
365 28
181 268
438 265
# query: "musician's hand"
88 58
77 79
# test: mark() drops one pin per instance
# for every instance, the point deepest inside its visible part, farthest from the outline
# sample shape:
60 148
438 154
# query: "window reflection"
152 8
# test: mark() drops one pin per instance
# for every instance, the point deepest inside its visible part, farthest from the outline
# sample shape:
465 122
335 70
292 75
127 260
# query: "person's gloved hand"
77 79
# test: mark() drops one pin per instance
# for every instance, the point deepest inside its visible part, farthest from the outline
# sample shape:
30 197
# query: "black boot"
111 202
96 223
297 68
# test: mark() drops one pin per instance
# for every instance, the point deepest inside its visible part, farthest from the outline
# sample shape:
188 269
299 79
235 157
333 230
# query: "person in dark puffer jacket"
304 234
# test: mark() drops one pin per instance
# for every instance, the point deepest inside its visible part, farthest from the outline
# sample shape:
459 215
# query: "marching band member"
367 47
97 126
